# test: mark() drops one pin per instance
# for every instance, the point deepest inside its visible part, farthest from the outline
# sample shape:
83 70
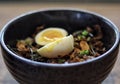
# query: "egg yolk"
51 35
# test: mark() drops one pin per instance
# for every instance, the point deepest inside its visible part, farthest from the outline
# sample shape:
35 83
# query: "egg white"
40 36
58 48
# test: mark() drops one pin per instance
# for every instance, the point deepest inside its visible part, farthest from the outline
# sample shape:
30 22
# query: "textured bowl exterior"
29 72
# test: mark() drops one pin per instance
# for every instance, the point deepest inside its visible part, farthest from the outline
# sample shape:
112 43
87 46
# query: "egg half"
58 48
49 35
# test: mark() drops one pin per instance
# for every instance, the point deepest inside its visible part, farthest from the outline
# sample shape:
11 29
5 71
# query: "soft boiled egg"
58 48
49 35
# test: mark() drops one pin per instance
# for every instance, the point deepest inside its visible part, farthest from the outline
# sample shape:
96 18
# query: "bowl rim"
65 64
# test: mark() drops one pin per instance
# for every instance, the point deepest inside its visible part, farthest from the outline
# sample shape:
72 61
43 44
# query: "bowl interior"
70 20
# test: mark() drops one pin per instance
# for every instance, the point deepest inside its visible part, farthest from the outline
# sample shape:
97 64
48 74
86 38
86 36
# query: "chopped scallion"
84 52
85 33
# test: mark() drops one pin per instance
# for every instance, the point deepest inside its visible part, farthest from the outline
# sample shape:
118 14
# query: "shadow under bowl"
26 71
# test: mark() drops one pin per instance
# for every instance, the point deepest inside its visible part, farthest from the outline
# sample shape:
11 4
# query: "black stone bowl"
26 71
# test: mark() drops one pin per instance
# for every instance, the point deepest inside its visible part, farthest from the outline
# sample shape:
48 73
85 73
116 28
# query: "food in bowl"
55 45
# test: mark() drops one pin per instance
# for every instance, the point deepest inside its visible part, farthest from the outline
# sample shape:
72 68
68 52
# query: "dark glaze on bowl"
25 71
